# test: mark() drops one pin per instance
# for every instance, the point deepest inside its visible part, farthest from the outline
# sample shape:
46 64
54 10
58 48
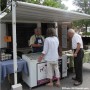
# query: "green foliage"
83 7
86 33
0 4
3 4
63 7
52 3
33 1
81 23
77 23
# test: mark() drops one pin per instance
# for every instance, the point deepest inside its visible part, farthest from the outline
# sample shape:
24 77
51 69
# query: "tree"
83 7
3 4
52 3
0 4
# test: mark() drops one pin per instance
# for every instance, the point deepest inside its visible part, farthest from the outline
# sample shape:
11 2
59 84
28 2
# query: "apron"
38 40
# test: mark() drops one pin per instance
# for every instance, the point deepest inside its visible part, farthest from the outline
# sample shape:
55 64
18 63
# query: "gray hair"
71 30
51 32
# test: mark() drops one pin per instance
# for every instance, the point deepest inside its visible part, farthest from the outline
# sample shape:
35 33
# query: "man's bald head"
71 33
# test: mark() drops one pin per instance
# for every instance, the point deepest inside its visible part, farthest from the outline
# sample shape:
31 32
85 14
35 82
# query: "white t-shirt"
76 39
50 48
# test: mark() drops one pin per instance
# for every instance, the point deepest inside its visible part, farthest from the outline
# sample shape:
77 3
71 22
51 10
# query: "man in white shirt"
77 46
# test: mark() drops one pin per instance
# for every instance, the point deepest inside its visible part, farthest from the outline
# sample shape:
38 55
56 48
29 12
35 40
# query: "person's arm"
41 57
78 39
77 49
44 52
36 45
32 40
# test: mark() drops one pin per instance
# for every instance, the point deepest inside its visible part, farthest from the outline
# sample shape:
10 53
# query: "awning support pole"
56 27
14 40
15 86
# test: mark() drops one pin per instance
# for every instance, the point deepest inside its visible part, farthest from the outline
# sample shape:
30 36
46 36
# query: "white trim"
0 33
20 21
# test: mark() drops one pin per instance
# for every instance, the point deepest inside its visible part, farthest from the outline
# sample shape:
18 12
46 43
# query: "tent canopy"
32 12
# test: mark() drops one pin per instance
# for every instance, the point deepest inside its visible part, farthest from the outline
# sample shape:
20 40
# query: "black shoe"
77 83
73 78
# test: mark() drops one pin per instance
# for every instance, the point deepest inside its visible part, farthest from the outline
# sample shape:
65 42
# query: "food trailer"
26 14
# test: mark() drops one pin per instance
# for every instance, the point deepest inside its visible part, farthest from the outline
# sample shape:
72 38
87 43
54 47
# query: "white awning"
2 15
33 12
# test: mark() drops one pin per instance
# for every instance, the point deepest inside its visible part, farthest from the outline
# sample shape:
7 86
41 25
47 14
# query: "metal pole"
56 27
14 40
0 53
0 33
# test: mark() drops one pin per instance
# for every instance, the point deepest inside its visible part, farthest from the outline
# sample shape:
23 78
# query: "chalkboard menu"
64 36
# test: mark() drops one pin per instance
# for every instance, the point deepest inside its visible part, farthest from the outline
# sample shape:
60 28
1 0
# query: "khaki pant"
51 67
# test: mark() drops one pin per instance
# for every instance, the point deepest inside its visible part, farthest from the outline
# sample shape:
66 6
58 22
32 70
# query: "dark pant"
78 62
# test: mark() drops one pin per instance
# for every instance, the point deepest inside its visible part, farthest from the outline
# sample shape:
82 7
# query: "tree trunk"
86 27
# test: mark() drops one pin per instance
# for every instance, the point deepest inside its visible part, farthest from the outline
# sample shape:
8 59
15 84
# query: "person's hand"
40 58
39 45
75 55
